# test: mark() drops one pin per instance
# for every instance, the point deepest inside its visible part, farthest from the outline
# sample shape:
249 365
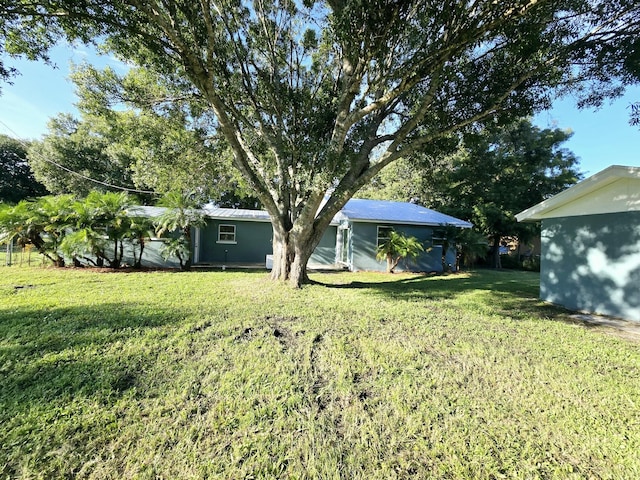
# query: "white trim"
461 224
229 242
600 180
196 246
343 235
378 233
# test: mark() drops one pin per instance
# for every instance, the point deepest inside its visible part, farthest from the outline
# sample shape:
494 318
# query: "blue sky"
600 138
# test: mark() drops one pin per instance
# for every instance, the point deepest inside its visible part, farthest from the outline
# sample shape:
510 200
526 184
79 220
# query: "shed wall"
325 252
151 255
592 263
253 243
363 244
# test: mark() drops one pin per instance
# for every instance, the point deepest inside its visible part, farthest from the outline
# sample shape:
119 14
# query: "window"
226 234
438 237
383 235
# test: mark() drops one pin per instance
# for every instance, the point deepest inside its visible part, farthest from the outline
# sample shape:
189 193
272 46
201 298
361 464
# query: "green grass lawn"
359 376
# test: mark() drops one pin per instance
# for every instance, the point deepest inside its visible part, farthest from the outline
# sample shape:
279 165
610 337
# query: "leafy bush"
531 264
514 262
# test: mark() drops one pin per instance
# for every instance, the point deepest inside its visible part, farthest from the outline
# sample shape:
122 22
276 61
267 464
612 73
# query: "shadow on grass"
517 283
510 293
46 354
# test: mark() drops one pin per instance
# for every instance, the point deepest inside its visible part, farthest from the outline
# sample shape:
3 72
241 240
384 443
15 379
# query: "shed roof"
145 211
356 209
397 212
212 211
614 189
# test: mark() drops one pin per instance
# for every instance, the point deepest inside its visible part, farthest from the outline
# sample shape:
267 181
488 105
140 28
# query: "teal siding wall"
363 244
253 243
151 257
325 252
592 263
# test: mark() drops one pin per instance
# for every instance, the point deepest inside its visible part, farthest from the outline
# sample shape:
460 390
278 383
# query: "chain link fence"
22 256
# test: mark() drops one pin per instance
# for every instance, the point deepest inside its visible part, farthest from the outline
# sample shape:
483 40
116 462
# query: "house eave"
600 180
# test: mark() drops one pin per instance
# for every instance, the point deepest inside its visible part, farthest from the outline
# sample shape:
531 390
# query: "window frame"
438 237
231 240
389 228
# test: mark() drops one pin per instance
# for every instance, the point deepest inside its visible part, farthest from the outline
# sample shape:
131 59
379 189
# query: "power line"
109 185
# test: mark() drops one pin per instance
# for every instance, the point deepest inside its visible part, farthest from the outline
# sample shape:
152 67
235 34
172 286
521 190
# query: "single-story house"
235 237
591 244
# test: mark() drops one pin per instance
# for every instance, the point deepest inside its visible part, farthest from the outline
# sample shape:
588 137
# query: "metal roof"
146 211
212 211
208 210
397 212
357 209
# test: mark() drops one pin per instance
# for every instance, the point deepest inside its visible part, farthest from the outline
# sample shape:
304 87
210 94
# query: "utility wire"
109 185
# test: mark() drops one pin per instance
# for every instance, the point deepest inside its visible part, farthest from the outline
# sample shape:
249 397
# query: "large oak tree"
315 98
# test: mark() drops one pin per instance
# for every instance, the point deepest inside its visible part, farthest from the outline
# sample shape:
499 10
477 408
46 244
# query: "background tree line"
489 177
151 149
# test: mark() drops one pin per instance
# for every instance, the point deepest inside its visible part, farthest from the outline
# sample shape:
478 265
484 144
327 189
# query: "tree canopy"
315 98
75 157
16 178
495 173
635 114
130 136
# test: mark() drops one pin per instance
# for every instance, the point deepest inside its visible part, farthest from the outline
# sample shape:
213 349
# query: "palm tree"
110 216
139 230
181 215
85 241
396 247
100 223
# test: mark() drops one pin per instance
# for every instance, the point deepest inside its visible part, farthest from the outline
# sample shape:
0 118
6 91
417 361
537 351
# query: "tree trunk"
137 257
291 254
298 274
283 254
187 239
295 241
392 263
